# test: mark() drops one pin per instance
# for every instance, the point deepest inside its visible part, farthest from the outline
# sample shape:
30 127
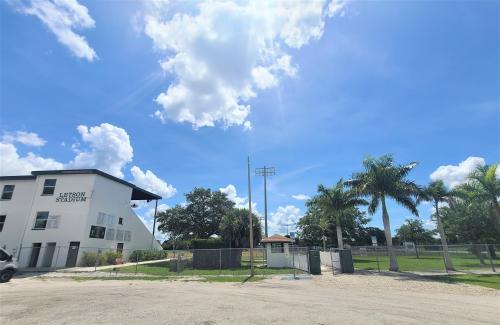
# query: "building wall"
73 218
16 210
277 259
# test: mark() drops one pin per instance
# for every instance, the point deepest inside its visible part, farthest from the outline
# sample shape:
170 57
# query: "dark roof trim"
17 178
137 192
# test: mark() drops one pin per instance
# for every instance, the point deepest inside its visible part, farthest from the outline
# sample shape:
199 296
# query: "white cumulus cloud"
105 147
454 175
62 17
26 138
221 53
150 182
240 202
301 197
109 149
11 163
283 216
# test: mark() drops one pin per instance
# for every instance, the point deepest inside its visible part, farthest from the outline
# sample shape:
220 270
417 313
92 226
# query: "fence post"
489 256
96 260
137 260
220 261
293 264
376 257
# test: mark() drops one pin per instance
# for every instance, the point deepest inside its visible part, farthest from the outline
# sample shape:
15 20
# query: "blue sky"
310 88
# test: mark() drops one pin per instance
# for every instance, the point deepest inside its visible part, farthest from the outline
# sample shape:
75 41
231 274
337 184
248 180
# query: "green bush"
111 258
149 255
89 259
211 243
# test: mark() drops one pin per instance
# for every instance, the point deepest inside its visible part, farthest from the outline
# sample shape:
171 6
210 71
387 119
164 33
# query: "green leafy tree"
485 177
235 228
437 193
413 230
383 179
337 202
469 219
199 218
318 224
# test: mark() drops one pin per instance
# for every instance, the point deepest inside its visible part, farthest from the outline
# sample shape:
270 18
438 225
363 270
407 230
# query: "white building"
49 218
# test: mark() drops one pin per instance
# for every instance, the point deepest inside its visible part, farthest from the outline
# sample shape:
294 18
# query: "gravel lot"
346 299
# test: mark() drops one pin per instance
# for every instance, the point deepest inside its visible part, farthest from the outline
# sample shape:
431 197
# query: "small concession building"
277 250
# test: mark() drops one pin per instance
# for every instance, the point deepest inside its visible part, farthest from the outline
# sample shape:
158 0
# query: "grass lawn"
484 280
162 269
427 262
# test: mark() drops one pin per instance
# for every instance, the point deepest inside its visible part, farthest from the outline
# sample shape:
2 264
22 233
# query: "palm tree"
381 179
337 201
436 192
485 177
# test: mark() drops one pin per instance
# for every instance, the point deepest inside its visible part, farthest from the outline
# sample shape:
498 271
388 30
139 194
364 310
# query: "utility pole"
265 171
250 216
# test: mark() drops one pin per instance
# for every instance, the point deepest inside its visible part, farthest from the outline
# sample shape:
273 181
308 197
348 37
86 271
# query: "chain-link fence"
429 258
225 261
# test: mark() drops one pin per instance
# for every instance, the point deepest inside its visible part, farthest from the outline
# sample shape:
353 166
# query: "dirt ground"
343 299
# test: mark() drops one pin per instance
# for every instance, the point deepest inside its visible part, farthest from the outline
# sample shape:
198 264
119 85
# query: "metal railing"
429 258
224 261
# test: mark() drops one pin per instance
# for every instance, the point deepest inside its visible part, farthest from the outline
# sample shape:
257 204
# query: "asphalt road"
344 299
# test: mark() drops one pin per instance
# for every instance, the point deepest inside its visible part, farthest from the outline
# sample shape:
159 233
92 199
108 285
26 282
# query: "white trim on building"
73 209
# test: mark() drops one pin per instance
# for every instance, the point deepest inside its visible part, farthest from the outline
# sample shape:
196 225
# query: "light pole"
265 171
250 216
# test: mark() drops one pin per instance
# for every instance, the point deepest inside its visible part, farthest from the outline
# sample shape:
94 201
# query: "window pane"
50 182
97 232
2 222
41 220
48 190
7 192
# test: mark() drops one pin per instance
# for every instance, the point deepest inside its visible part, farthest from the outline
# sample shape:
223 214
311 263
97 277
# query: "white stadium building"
49 217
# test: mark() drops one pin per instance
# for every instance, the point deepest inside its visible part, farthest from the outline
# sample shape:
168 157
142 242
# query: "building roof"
137 192
276 239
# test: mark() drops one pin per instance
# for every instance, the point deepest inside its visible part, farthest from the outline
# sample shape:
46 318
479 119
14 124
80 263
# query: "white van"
8 266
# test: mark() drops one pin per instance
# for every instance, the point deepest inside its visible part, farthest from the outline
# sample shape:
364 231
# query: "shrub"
111 258
89 259
149 255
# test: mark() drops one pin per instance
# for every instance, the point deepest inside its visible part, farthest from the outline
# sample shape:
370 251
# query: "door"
119 248
35 252
49 254
74 246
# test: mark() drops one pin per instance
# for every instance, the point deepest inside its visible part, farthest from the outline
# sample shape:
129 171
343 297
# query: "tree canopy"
205 214
413 230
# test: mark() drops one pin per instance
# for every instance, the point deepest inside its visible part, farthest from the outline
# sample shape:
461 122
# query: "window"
7 192
41 220
277 248
97 232
127 236
49 186
2 222
119 235
52 222
110 234
120 221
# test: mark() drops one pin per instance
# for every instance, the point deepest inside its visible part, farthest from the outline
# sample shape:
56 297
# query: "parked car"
8 266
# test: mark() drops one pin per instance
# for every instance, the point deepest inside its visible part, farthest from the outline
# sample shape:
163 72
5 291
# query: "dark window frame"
49 189
7 195
96 231
277 248
120 220
41 220
3 217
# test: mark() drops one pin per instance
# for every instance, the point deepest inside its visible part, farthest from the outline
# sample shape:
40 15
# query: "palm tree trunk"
497 210
448 264
340 240
388 237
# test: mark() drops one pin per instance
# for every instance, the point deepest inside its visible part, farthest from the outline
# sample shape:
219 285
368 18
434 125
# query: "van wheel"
6 275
